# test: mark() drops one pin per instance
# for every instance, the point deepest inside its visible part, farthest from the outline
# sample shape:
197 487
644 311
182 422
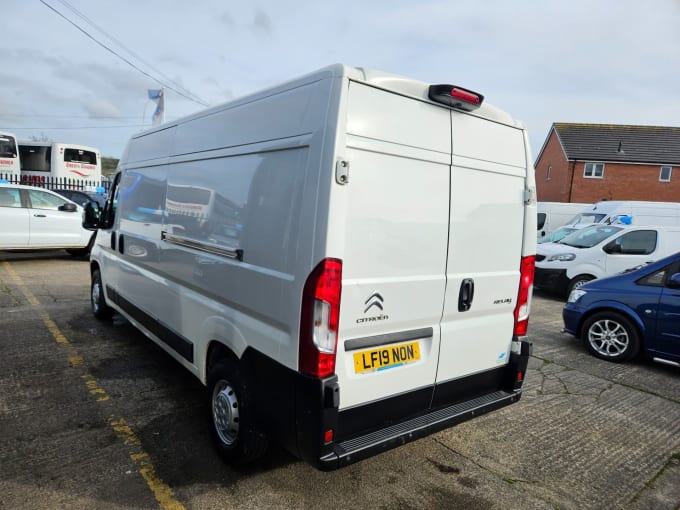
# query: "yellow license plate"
386 357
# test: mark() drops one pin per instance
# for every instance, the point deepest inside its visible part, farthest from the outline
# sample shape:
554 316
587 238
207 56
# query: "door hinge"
342 171
529 196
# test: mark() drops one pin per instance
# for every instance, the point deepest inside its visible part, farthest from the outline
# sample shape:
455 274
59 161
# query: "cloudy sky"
606 61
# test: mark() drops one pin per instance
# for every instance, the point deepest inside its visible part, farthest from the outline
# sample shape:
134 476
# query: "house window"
547 176
594 170
665 174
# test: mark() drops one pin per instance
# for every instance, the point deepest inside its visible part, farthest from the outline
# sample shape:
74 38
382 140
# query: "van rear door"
488 181
395 242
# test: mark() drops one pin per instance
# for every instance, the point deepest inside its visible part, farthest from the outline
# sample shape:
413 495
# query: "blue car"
637 311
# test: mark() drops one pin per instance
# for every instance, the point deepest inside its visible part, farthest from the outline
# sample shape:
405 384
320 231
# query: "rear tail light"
319 319
526 284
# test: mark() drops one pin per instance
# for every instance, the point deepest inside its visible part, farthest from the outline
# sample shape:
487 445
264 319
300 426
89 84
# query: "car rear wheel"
611 336
232 414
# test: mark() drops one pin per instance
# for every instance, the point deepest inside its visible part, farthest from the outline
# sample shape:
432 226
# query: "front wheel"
577 281
100 309
232 414
611 336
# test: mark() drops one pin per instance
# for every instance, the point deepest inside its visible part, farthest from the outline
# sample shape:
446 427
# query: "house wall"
557 188
625 182
621 181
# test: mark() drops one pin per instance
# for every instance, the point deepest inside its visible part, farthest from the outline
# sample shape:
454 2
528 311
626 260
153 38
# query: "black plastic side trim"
176 342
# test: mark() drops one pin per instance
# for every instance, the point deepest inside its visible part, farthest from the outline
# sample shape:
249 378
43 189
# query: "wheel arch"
220 338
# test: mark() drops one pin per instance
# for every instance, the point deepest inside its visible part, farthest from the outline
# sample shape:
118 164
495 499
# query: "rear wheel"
99 307
232 414
611 336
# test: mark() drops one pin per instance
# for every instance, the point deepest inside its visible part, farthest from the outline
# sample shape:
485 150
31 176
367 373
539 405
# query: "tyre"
232 414
611 336
577 281
99 307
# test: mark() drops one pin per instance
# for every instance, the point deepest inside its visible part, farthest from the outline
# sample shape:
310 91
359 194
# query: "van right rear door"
488 182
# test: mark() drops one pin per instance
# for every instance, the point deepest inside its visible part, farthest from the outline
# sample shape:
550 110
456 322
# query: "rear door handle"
467 292
40 215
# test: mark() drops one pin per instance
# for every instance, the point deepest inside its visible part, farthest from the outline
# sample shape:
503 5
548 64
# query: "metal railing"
50 182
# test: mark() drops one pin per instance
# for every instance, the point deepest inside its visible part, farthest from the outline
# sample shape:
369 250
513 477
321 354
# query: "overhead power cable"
135 55
186 94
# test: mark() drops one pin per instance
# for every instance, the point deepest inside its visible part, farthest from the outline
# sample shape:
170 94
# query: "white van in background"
600 250
639 212
552 215
10 168
345 260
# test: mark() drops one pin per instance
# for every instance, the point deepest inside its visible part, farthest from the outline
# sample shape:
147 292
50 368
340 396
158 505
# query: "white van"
639 212
552 215
325 256
600 250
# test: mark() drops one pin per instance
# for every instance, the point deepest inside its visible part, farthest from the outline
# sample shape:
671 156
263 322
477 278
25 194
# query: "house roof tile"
611 142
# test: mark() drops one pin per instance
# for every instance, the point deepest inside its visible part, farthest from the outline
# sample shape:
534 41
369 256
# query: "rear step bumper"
361 447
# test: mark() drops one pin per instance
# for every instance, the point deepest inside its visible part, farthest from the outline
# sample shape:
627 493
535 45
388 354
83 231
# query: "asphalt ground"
94 415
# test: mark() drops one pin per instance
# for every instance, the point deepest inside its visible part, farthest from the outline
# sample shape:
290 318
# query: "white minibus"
47 161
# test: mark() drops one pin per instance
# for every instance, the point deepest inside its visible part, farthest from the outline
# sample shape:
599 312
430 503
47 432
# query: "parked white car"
34 218
600 250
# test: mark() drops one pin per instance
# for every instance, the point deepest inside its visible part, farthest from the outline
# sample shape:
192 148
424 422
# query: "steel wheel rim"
608 338
579 284
225 412
96 295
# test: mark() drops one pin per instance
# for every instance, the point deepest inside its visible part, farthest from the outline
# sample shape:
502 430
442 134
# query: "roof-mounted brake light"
454 96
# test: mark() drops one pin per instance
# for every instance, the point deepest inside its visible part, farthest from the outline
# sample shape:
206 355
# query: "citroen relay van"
344 260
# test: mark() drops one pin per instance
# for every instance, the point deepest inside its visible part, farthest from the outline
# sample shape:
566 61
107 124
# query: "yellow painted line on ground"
161 491
19 283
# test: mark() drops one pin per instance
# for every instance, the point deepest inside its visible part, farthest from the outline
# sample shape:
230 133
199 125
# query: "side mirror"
674 281
91 216
68 207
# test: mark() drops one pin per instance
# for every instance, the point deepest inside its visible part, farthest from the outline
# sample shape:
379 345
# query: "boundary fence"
50 182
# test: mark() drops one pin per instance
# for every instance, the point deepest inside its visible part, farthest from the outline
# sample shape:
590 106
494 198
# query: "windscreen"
8 147
589 236
588 217
35 158
80 156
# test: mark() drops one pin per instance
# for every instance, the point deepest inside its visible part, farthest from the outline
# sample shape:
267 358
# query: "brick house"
593 162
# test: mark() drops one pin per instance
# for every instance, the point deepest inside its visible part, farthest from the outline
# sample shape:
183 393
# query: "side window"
9 197
640 242
541 220
658 278
655 279
41 200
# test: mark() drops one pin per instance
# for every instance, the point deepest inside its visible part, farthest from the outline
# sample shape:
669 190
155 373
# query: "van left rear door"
395 236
